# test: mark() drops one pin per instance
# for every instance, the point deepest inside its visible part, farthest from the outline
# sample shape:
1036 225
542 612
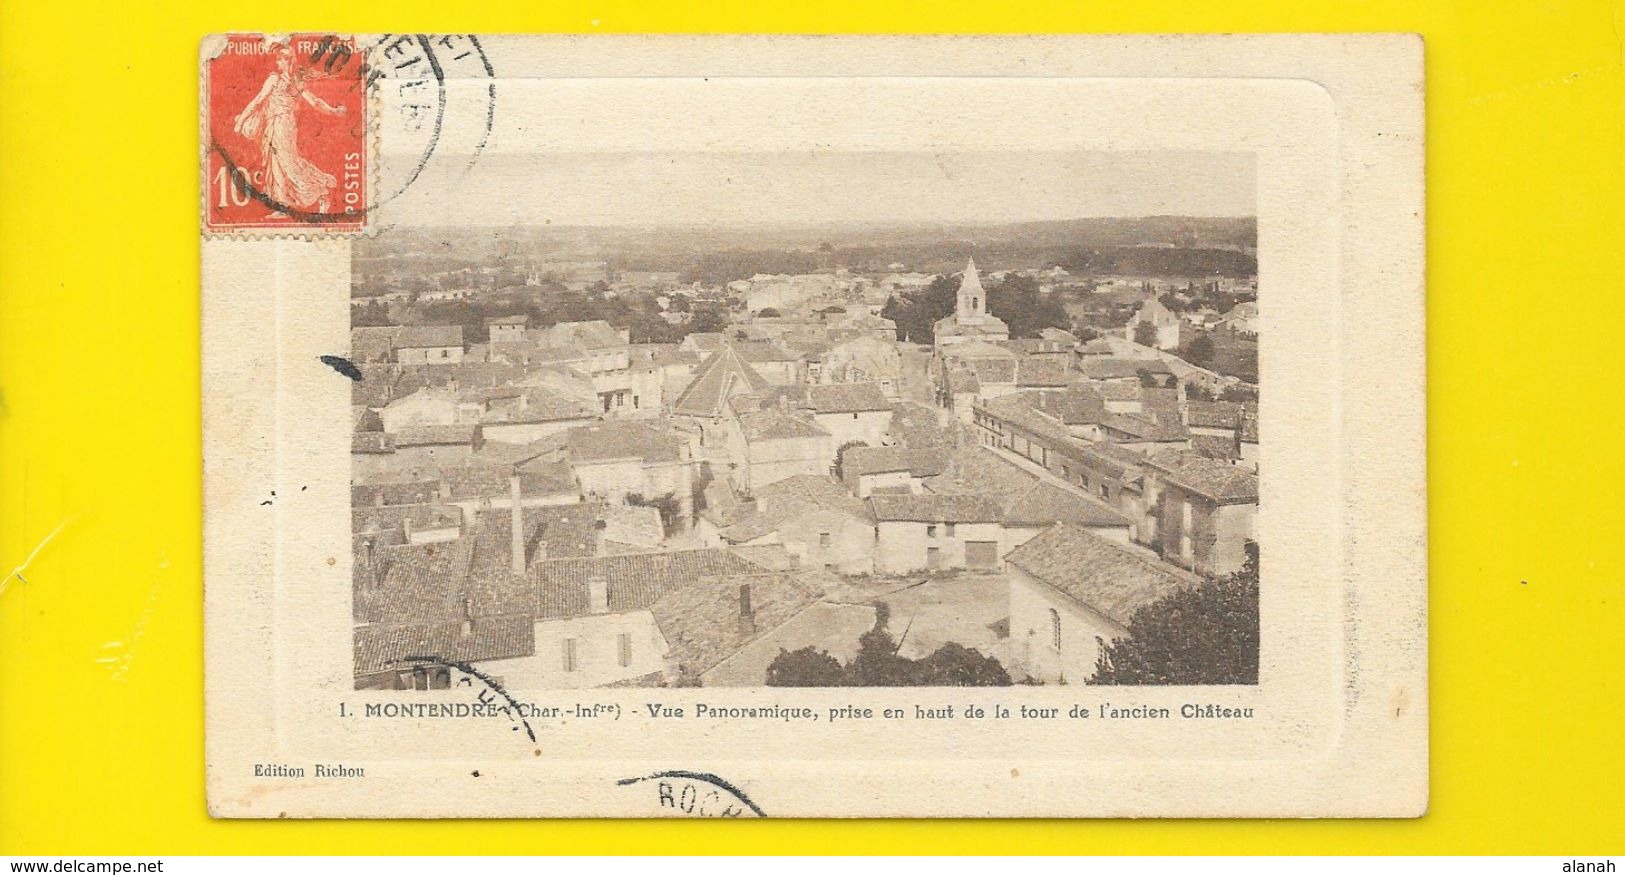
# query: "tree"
878 664
840 458
955 665
807 667
1206 634
768 313
1023 307
1201 351
1145 334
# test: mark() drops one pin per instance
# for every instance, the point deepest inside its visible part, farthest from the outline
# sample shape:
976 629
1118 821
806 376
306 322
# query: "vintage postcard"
814 427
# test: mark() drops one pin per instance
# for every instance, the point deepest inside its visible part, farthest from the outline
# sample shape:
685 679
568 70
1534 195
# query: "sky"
778 188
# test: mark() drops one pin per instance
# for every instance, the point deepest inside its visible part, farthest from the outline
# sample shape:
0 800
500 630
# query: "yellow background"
99 428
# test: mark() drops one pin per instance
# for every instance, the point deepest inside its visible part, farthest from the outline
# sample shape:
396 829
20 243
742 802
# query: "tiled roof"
720 376
1025 498
1223 414
702 622
950 326
623 439
371 442
963 381
916 425
479 479
417 583
994 370
764 351
1214 446
427 336
372 343
633 525
1120 368
982 471
1212 479
367 519
554 531
931 508
374 494
1110 578
392 647
363 418
595 334
793 498
1047 503
515 319
978 349
660 355
635 581
435 435
919 462
376 388
1079 405
706 341
1145 428
847 398
774 424
1042 371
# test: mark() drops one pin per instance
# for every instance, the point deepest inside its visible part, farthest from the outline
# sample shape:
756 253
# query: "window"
930 531
823 539
950 527
1103 491
854 416
626 648
1055 628
634 402
570 663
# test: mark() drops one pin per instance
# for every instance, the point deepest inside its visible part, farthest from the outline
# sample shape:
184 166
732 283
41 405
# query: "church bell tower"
972 303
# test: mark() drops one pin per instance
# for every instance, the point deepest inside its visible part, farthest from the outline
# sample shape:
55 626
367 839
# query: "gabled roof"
1109 578
931 508
634 581
720 376
703 623
1213 479
1048 503
793 498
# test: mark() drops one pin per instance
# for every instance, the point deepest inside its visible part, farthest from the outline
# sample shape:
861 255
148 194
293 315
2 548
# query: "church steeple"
972 302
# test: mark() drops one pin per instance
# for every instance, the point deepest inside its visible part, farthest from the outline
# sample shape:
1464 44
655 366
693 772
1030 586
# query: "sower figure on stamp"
269 119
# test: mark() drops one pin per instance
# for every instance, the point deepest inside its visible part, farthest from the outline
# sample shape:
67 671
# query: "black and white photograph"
815 419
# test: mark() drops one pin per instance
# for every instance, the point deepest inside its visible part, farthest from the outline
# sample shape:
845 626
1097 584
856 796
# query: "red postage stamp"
287 134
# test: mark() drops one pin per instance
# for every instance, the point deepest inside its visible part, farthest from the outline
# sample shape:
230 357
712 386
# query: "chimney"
468 617
445 488
518 515
598 595
747 616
